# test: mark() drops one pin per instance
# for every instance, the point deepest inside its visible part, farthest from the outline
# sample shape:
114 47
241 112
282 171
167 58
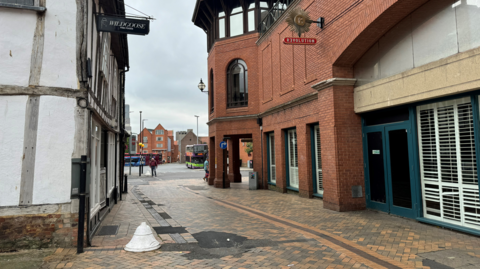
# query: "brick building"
382 112
155 140
189 139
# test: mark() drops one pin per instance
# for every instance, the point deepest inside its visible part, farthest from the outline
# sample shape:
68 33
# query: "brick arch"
369 30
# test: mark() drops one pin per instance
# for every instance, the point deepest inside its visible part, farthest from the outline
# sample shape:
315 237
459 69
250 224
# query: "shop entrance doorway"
389 169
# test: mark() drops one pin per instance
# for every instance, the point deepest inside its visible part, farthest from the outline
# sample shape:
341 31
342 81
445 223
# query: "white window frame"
318 160
159 132
465 194
159 145
293 170
95 168
159 138
272 166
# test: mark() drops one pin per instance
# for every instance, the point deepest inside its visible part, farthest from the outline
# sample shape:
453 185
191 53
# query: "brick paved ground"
265 229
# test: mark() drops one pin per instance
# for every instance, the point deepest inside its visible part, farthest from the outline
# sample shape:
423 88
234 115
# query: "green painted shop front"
421 161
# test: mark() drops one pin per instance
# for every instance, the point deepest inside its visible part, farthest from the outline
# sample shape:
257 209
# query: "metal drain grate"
108 230
165 215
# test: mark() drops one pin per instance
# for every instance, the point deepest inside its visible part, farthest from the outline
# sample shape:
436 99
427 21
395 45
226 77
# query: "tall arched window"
211 92
237 89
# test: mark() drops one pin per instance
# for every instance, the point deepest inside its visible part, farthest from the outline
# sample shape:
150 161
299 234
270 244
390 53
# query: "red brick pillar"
218 182
234 160
305 187
211 160
342 153
280 165
257 157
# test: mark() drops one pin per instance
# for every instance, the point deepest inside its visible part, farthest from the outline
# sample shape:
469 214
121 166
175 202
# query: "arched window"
237 88
212 97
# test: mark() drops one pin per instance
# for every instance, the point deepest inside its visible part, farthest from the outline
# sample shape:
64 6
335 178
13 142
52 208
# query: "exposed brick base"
38 231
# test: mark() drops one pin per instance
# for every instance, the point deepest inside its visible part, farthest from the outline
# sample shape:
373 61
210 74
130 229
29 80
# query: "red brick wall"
38 231
152 142
280 73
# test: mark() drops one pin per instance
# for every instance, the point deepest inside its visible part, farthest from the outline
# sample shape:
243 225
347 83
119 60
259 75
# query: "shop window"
271 158
251 16
237 95
236 20
211 93
448 165
221 24
318 160
292 154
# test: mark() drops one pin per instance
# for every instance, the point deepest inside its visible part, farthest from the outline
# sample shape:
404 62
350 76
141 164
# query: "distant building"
189 139
128 128
155 140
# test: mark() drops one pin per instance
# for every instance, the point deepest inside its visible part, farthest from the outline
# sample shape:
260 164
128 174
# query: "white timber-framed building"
61 97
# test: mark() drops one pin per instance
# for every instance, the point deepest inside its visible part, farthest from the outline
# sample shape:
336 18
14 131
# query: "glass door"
389 170
400 170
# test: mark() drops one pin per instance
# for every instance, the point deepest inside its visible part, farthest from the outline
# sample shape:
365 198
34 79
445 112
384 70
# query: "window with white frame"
159 132
271 152
292 158
236 20
160 138
145 139
318 160
448 166
159 145
145 145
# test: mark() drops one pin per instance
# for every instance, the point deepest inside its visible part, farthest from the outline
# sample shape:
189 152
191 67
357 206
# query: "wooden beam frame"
209 8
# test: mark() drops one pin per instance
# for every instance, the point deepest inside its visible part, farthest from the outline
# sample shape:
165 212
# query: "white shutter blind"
448 162
273 177
293 158
318 163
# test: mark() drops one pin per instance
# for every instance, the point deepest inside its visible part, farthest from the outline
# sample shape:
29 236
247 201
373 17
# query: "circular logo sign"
223 145
300 20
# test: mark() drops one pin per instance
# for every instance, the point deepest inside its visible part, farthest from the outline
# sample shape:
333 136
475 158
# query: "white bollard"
143 240
148 173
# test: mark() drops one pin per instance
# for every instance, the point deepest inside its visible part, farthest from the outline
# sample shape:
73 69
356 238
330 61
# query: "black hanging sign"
122 25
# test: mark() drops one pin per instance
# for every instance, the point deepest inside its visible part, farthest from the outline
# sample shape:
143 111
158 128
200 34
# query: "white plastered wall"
12 126
16 42
55 142
59 53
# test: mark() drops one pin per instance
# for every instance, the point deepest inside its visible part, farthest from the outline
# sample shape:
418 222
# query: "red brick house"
382 112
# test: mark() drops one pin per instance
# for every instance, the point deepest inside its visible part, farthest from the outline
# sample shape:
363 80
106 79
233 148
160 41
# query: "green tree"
249 148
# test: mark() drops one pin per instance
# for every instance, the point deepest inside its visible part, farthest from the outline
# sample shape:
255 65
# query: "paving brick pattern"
282 231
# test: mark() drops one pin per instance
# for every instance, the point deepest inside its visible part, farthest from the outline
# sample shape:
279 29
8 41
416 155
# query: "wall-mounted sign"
122 25
299 41
376 152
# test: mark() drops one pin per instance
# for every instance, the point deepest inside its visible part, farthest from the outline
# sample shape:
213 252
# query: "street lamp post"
139 148
143 126
197 128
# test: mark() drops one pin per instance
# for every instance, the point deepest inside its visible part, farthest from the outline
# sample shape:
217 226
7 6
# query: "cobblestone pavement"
238 228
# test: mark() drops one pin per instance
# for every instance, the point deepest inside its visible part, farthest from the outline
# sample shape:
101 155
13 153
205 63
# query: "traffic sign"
223 145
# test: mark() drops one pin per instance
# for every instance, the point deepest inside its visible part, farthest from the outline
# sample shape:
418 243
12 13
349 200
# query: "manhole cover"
108 230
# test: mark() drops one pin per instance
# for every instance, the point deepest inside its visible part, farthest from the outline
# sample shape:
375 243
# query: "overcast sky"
165 68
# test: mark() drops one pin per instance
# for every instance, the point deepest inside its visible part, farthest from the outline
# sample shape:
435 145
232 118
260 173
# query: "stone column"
234 160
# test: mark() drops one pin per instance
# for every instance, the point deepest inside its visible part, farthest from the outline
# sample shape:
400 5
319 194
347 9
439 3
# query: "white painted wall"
12 125
55 141
59 53
16 41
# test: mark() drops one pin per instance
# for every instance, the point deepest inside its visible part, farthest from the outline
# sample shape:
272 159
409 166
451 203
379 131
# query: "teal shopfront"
421 161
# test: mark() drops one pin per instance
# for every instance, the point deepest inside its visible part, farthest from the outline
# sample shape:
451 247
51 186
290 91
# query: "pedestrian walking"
153 165
205 166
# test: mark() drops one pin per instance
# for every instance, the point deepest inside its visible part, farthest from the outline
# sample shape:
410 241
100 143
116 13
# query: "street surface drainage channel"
215 245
